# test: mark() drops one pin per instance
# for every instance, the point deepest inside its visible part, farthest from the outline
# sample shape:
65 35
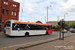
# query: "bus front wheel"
26 34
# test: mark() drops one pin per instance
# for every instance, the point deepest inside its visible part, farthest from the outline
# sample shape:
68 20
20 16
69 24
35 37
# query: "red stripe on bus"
49 31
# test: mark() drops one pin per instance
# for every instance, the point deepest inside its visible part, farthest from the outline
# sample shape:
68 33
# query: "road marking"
32 42
21 44
28 43
1 48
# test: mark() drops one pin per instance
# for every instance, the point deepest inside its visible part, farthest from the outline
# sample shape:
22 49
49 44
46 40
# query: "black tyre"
46 33
27 34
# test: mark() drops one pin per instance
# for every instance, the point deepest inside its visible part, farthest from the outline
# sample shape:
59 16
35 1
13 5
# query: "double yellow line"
26 43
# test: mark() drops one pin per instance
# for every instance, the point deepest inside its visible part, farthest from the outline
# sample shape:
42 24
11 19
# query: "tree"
54 27
72 25
57 27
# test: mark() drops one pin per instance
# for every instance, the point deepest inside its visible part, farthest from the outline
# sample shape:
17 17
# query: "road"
9 41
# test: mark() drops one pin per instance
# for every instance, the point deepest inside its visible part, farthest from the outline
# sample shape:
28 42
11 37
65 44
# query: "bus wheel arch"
46 33
26 34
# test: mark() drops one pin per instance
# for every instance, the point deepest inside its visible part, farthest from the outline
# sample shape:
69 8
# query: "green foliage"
72 25
54 27
57 27
66 26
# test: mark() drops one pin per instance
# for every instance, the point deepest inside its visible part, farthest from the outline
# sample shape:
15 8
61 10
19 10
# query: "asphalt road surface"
9 41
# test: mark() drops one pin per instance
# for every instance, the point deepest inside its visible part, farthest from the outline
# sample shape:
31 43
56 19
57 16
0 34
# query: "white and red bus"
17 28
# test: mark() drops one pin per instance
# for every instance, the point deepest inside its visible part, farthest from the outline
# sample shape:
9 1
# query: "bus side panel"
22 32
49 31
38 32
17 33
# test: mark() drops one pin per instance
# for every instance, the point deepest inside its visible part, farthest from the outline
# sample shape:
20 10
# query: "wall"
8 7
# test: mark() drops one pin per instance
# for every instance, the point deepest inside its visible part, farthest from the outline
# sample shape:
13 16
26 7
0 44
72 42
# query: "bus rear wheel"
27 34
46 33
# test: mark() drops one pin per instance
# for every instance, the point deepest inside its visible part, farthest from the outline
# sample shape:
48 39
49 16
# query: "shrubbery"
66 26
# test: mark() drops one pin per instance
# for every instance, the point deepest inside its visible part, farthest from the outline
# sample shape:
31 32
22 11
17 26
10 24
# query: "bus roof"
32 23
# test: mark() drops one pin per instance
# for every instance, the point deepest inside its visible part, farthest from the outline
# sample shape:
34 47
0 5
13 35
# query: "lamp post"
45 19
64 16
57 18
21 14
47 13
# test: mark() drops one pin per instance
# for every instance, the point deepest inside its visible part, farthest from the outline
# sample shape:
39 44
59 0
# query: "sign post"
61 24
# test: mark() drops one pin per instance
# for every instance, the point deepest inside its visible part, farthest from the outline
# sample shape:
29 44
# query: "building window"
3 20
6 3
14 5
12 12
2 11
15 13
6 12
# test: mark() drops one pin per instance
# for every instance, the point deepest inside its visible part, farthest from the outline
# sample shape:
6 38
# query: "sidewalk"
67 44
50 44
1 32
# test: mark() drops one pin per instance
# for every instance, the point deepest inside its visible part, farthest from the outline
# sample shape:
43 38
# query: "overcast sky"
34 10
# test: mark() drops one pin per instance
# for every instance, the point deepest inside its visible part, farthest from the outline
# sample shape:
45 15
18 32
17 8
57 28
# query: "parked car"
64 31
73 31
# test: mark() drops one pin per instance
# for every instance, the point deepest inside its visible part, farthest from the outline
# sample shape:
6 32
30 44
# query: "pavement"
50 44
1 32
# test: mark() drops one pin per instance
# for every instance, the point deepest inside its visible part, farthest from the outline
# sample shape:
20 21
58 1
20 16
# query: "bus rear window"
7 24
49 27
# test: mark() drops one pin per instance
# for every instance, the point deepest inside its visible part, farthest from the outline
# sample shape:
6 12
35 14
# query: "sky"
36 10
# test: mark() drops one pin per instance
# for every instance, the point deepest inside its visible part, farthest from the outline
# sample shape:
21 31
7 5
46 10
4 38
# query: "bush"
56 27
72 25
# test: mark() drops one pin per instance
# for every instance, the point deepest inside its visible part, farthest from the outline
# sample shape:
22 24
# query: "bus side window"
43 27
16 26
50 27
24 26
47 28
27 27
32 27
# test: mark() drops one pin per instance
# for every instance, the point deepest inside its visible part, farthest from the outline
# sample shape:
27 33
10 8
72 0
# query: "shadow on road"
28 36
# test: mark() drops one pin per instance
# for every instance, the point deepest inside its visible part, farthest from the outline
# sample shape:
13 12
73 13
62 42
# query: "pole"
57 18
45 19
63 36
47 14
64 17
63 22
60 34
60 29
21 16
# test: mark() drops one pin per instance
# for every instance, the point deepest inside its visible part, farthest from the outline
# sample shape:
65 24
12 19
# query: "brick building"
9 10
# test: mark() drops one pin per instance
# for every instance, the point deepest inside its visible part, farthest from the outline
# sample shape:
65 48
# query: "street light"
47 12
64 16
57 18
45 19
